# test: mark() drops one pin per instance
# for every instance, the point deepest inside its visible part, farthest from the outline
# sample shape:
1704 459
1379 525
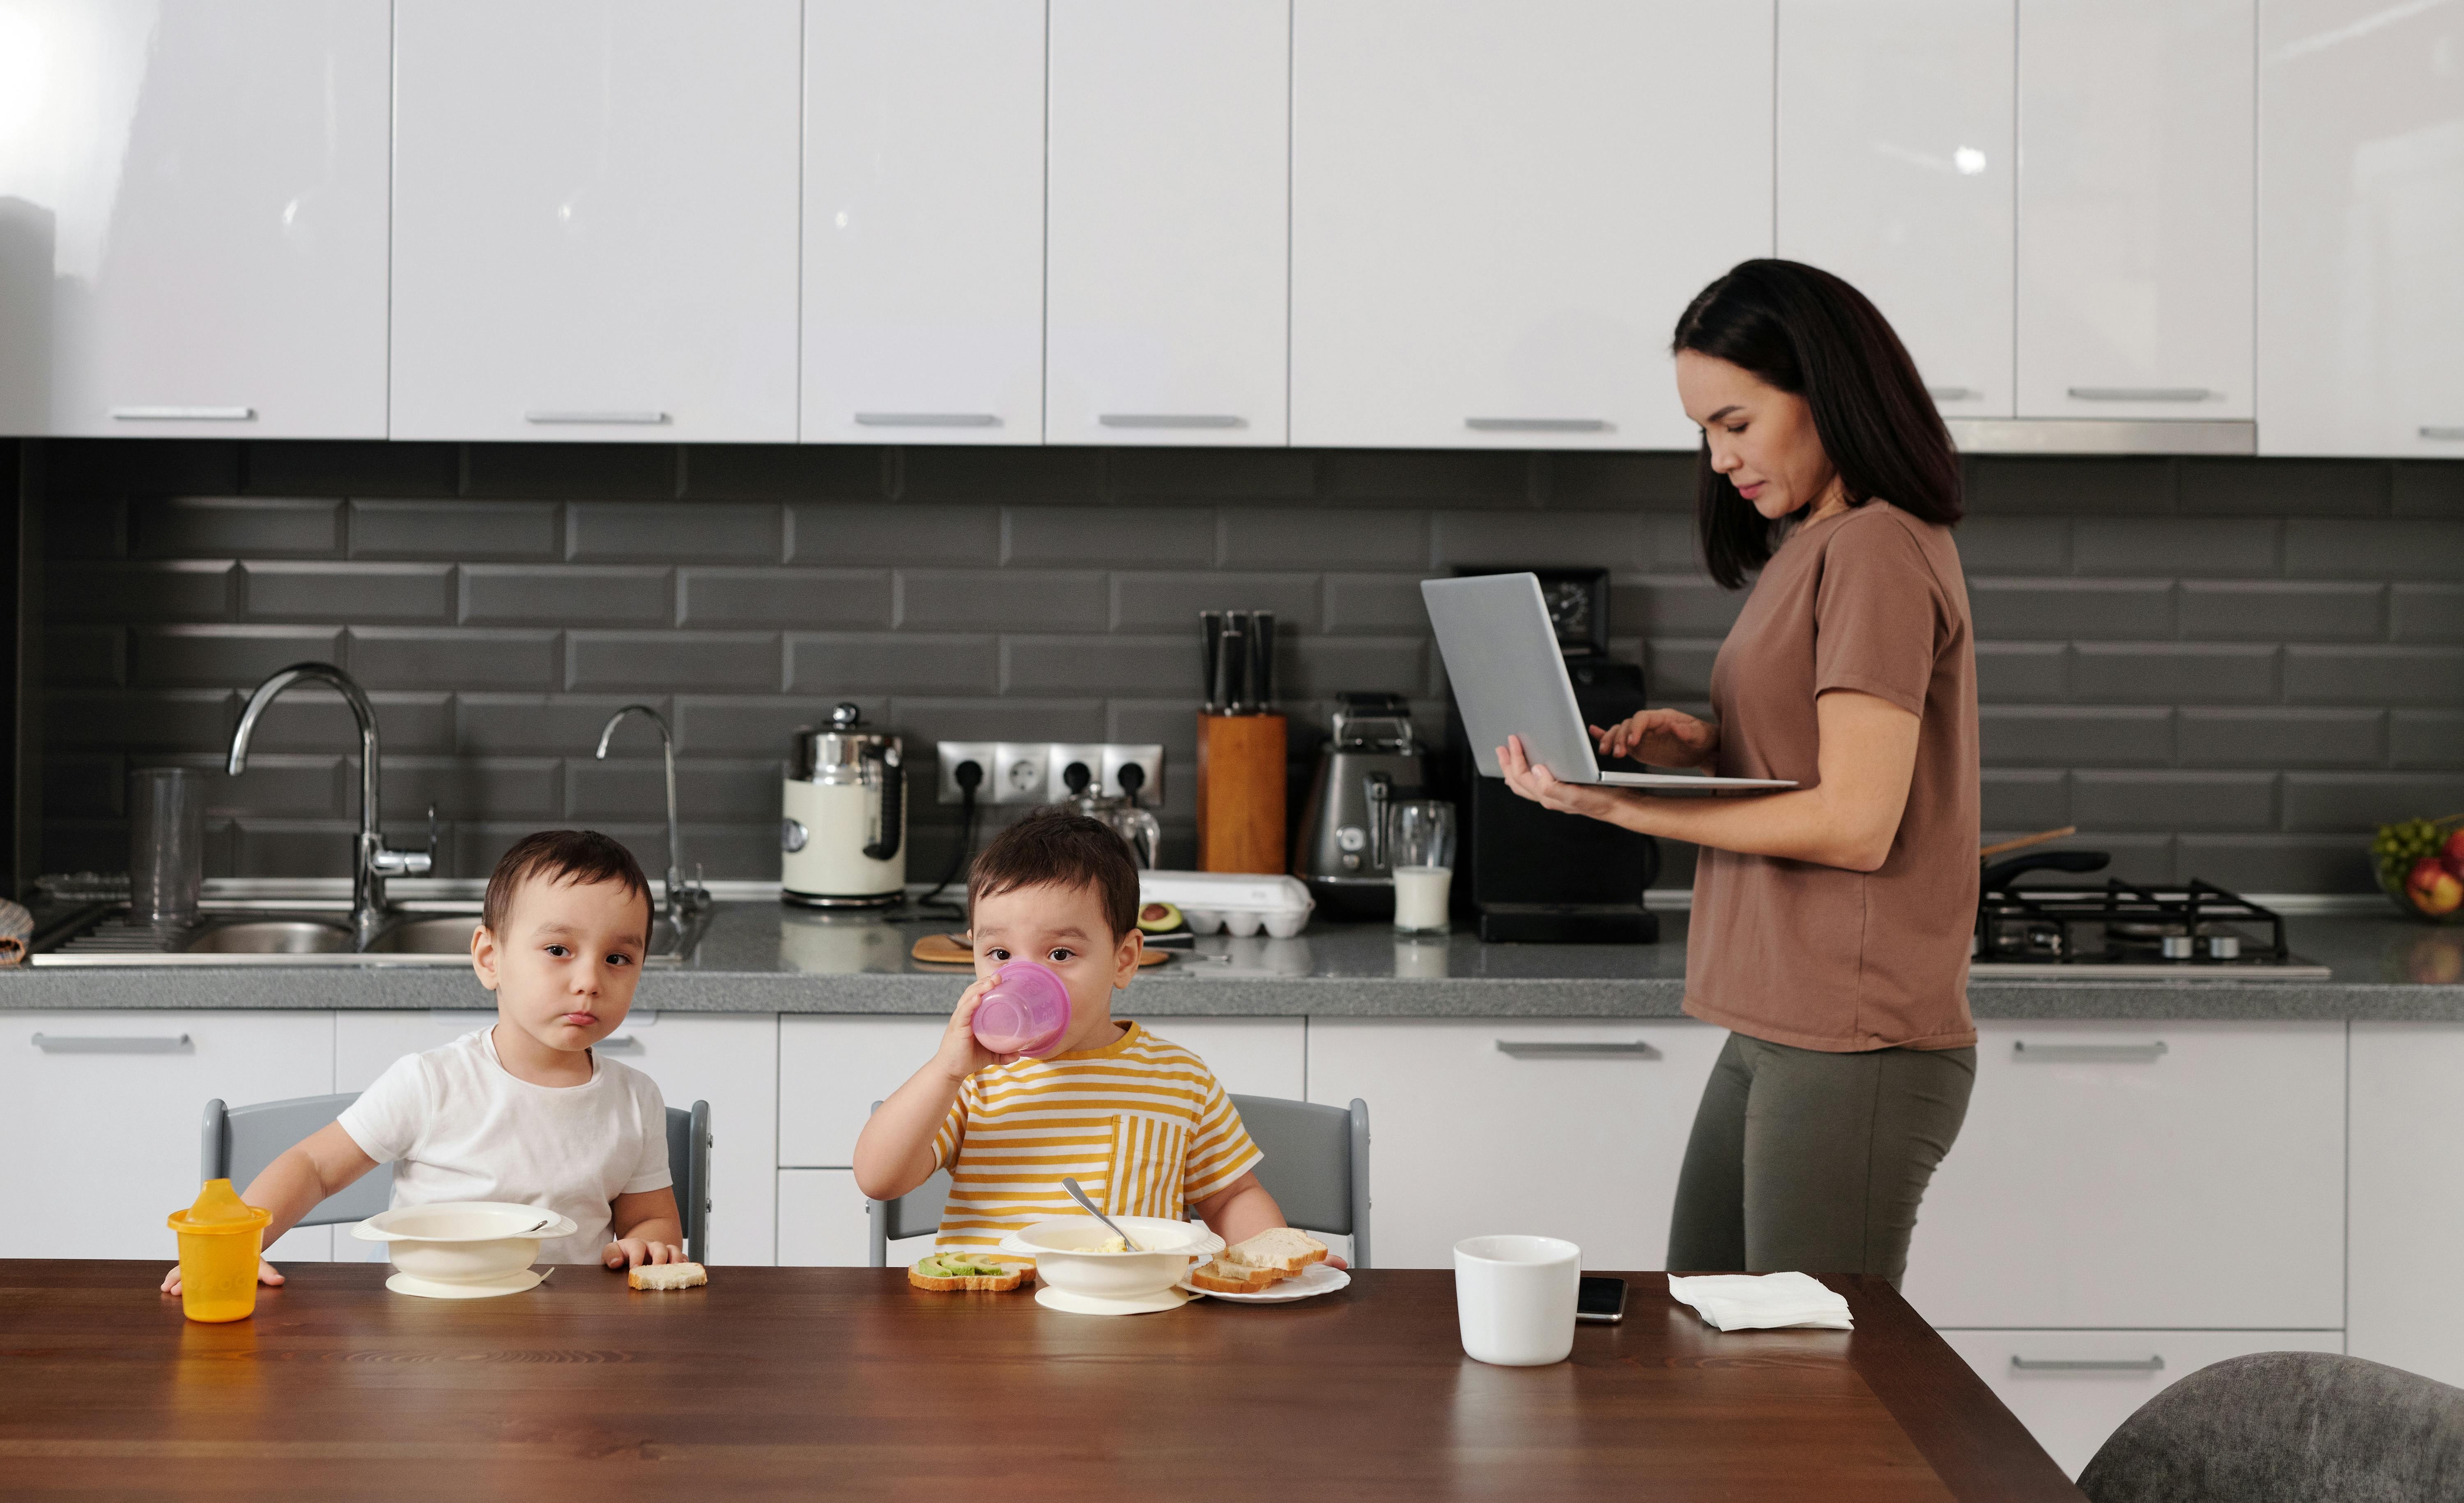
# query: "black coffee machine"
1529 875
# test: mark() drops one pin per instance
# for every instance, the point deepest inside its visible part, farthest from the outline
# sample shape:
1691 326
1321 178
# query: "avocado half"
1159 919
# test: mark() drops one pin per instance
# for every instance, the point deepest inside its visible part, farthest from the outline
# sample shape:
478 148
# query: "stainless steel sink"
272 937
450 935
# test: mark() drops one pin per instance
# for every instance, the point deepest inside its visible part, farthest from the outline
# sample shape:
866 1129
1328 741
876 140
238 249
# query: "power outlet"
952 753
1065 755
1021 772
1147 759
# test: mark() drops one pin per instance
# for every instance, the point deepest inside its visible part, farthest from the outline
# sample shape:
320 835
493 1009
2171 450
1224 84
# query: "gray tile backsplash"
2221 667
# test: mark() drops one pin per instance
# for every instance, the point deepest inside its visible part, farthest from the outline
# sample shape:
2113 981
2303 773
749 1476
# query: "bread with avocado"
946 1272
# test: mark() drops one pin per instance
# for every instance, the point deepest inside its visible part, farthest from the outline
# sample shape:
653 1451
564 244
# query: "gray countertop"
760 957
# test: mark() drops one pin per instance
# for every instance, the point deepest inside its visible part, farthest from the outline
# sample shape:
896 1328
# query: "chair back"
1316 1165
241 1140
2287 1427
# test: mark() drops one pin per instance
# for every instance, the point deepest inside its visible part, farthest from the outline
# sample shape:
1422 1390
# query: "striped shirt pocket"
1149 1154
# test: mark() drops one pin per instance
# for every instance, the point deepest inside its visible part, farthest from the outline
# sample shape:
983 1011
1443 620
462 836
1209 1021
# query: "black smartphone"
1601 1299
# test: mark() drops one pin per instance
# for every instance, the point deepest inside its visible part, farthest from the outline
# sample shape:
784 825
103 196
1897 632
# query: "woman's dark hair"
1807 332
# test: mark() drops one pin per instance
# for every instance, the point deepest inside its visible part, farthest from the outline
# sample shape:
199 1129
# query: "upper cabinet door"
2361 249
924 221
1499 213
595 220
1896 170
2137 155
1166 242
192 218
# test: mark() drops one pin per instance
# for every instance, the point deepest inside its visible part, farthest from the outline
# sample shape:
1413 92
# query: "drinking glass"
167 844
1420 852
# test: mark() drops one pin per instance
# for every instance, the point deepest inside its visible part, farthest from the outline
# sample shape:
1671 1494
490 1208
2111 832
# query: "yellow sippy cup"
220 1240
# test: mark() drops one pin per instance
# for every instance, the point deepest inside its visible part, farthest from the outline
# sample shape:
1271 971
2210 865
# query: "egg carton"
1240 903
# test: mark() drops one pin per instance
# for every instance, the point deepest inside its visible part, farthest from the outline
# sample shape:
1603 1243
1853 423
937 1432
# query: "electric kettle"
843 818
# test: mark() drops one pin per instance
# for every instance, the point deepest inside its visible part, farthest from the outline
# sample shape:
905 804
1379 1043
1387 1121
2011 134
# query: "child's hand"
267 1274
960 1055
631 1253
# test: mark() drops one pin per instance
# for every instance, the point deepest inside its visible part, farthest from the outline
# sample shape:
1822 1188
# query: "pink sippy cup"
1027 1012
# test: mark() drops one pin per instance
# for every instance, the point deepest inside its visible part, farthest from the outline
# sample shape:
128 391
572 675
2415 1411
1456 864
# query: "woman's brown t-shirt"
1820 957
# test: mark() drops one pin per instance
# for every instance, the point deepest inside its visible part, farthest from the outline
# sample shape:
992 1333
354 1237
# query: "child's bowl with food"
1075 1256
482 1247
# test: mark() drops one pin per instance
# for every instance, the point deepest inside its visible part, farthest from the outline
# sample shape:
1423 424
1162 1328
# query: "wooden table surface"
798 1381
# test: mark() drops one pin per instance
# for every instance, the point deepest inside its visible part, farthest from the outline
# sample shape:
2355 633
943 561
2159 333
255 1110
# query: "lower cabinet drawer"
2074 1388
822 1222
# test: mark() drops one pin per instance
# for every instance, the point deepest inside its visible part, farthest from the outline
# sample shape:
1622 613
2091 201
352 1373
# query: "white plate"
1318 1278
1051 1298
430 1289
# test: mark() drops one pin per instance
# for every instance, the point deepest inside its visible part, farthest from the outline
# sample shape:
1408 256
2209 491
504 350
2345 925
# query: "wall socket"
1035 772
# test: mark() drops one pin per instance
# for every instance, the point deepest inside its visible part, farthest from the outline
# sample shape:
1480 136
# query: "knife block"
1240 793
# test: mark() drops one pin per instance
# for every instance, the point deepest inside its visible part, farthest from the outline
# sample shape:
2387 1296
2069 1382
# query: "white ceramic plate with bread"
1318 1278
1270 1266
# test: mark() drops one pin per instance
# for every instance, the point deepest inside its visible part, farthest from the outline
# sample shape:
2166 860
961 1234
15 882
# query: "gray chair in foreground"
1316 1167
239 1141
2288 1427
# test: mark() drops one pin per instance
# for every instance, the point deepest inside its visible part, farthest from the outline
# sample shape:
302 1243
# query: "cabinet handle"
619 1043
2107 1364
2134 1054
1956 393
2446 431
1537 424
1171 420
617 417
107 1044
2143 393
927 420
184 414
1518 1049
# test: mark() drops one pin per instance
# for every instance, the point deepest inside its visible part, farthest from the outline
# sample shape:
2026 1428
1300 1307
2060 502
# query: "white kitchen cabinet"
831 1069
2136 248
1251 1056
113 1105
823 1222
1897 169
2407 1220
2073 1389
2361 228
1166 211
1500 211
1580 1139
729 1060
595 220
2142 1175
923 290
192 218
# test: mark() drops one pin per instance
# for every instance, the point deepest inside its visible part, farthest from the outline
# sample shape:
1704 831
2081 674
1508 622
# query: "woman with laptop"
1831 921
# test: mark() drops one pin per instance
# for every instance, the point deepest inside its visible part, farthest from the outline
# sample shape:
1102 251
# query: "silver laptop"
1508 676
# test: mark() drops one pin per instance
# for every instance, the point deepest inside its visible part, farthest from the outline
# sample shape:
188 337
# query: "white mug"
1515 1297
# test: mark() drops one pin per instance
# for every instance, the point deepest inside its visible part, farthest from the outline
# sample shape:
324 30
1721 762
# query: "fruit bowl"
2420 866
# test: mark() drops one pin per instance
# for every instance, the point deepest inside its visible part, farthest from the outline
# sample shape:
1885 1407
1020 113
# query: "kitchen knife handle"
1210 650
1261 660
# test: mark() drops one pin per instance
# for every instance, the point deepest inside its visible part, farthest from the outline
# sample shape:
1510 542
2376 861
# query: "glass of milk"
1420 852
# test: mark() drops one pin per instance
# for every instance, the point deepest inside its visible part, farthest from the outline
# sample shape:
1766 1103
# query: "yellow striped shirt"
1142 1125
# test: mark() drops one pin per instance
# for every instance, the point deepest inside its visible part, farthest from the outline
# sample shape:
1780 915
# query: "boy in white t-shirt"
524 1111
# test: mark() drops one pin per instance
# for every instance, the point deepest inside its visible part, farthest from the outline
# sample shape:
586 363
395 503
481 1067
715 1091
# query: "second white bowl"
1066 1256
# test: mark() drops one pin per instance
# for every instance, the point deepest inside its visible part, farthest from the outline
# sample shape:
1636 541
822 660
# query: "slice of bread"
946 1273
1219 1277
667 1275
1282 1251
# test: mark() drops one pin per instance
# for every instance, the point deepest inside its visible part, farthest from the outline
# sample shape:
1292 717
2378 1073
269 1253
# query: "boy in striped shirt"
1141 1123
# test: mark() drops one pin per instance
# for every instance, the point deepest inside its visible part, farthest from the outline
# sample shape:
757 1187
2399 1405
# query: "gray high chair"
239 1141
1316 1167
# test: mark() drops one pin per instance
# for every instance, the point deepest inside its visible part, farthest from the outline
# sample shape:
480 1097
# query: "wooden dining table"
805 1382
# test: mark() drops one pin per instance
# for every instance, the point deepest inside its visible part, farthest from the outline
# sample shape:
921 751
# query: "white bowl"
464 1242
1064 1251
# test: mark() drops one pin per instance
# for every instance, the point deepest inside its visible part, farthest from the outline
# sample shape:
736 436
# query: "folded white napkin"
1752 1302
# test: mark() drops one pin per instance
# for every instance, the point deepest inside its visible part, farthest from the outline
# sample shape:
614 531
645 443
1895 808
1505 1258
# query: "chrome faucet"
374 862
683 901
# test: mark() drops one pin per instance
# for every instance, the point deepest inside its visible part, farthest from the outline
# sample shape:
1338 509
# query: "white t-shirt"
457 1126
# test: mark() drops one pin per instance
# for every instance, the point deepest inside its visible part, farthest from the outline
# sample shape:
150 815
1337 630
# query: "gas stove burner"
2128 930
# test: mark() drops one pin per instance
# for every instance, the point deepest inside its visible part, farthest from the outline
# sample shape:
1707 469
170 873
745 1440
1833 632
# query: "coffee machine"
1529 875
1371 759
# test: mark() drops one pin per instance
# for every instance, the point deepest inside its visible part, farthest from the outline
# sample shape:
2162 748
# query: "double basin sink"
256 937
449 935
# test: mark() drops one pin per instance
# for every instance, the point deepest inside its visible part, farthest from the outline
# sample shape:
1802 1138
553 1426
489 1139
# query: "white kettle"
843 818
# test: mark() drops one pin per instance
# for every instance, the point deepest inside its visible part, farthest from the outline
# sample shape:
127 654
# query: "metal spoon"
1079 1196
